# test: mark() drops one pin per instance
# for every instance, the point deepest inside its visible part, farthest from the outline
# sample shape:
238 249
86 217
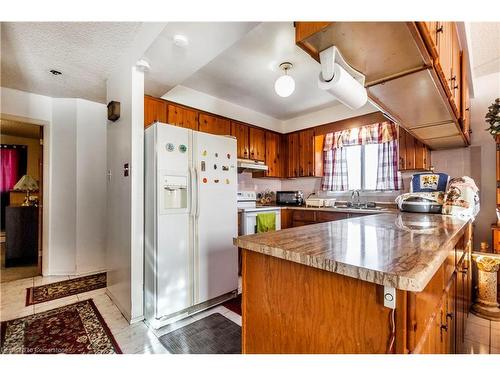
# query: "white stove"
248 211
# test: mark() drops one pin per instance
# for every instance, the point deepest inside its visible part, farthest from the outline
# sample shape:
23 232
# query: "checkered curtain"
335 156
388 175
335 177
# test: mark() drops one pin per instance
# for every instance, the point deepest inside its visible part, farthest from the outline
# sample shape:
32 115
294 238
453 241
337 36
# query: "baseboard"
122 309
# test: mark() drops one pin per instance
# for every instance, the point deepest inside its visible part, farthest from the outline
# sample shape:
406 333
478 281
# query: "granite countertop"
342 209
401 250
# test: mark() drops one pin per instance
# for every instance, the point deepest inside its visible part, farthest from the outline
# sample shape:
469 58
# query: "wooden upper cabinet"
292 165
402 148
410 151
429 31
214 124
456 71
241 132
183 117
465 102
273 154
306 153
444 61
257 142
154 110
420 155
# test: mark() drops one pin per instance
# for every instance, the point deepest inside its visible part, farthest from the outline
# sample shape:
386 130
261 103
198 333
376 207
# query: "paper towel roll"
345 88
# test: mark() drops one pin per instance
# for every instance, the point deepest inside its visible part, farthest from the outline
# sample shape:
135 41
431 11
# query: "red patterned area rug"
49 292
72 329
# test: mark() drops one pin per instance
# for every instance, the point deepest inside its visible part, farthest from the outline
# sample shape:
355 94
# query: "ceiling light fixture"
285 85
55 72
181 40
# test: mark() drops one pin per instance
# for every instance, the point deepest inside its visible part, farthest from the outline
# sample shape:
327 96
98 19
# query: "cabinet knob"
449 315
439 29
444 327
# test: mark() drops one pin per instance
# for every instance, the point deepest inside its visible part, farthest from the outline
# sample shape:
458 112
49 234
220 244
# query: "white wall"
90 186
124 242
73 131
334 113
197 99
62 245
486 89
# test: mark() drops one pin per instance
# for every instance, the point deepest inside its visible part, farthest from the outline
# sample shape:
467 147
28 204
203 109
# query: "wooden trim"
349 123
40 202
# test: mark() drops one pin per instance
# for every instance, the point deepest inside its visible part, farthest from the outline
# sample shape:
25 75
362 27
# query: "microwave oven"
290 198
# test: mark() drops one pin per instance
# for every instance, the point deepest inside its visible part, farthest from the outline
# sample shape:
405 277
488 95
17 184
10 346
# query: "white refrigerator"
190 222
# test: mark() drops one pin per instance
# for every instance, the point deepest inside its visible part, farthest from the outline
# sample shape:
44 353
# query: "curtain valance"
370 134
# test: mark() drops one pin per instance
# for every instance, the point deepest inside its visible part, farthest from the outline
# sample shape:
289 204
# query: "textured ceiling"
171 64
245 73
85 52
485 41
18 129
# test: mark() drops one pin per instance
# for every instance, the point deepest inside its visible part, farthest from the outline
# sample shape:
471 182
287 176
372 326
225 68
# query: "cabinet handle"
455 87
439 29
453 78
444 327
449 316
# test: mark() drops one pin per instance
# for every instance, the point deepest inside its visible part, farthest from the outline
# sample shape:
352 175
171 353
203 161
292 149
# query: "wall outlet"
390 297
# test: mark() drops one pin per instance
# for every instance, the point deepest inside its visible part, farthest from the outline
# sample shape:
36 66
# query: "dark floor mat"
214 334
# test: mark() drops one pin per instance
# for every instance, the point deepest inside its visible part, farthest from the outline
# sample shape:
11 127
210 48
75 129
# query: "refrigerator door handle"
192 191
197 211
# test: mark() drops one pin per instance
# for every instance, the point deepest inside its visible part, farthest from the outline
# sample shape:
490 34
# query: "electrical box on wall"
113 111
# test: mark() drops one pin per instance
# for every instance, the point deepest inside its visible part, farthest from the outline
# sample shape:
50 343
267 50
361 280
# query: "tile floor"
132 339
482 336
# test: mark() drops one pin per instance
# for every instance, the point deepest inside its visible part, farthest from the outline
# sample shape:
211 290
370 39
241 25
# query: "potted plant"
493 118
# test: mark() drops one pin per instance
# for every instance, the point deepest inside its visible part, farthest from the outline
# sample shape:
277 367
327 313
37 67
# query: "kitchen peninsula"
320 288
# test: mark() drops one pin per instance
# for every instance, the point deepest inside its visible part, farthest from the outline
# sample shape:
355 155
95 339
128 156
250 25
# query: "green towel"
266 222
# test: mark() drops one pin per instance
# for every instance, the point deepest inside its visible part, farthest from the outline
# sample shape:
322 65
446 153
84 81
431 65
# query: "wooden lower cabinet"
325 312
291 217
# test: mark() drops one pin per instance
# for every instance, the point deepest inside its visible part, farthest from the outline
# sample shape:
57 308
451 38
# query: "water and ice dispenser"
175 192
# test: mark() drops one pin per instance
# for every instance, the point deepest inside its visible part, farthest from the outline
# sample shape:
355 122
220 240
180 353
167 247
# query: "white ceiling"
85 52
171 64
485 43
245 73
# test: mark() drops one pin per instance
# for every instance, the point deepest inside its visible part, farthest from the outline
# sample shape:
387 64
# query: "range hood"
251 165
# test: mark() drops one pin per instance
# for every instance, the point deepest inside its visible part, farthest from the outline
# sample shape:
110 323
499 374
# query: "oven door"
249 219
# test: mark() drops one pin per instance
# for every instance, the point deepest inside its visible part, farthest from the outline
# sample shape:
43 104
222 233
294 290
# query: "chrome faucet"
355 193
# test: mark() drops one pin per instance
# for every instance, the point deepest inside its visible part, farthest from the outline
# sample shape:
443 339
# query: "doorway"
21 188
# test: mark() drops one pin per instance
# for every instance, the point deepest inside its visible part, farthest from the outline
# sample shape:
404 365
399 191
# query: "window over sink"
364 158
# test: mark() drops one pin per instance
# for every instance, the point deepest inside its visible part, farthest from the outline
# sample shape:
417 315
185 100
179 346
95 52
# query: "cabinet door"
402 149
456 74
451 317
286 218
240 131
419 155
465 105
445 45
410 151
183 117
432 37
293 155
214 124
306 153
273 157
154 110
257 144
427 158
461 313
